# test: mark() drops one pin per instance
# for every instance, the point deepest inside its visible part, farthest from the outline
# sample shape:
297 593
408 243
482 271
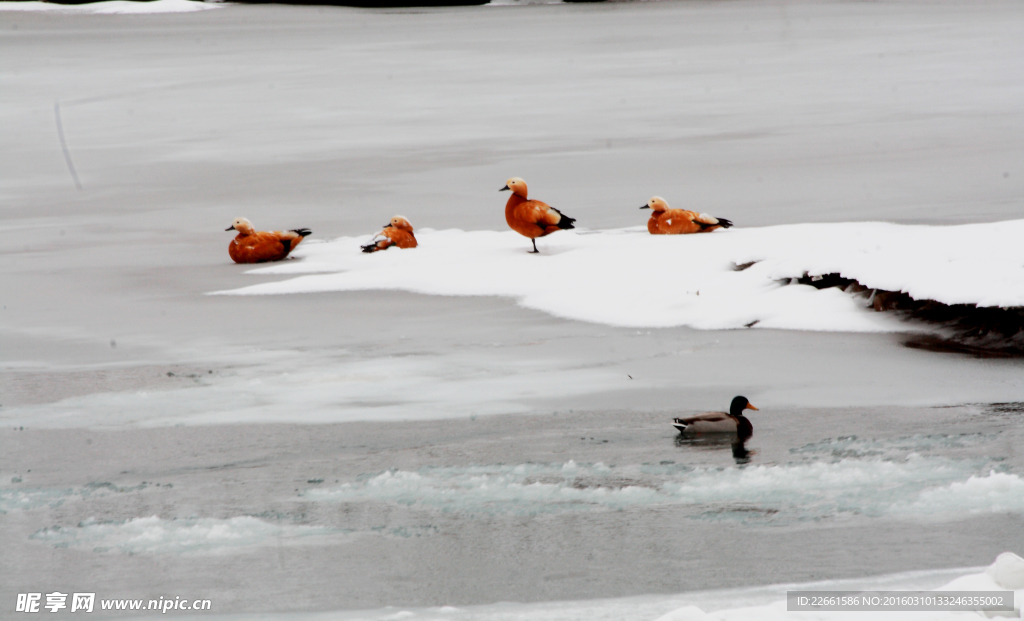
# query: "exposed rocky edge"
985 332
1007 408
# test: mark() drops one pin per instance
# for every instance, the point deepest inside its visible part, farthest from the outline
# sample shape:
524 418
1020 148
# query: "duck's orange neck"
513 201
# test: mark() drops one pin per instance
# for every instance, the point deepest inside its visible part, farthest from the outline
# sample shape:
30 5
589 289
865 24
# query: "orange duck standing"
252 246
398 232
665 221
532 219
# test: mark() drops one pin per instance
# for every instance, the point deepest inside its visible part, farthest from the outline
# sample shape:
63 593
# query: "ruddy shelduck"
720 422
665 221
398 232
252 246
531 219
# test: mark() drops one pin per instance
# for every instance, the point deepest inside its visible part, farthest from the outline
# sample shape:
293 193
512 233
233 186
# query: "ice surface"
627 277
914 488
154 535
114 7
348 387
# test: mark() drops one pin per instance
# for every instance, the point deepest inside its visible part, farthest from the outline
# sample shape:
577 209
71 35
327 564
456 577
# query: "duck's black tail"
302 232
565 222
722 222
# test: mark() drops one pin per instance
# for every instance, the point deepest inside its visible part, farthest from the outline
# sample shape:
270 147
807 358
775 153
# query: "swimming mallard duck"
719 422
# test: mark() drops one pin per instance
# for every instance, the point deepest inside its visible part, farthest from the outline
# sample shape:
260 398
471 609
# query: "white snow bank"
114 6
752 603
627 277
153 535
912 488
1003 575
1008 571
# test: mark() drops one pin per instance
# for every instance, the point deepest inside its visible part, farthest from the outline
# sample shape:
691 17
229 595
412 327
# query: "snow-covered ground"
629 278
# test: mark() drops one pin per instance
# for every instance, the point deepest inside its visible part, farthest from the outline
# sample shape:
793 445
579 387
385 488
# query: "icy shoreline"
1005 573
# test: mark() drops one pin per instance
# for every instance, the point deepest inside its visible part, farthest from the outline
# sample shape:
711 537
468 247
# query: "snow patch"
777 610
626 277
1008 571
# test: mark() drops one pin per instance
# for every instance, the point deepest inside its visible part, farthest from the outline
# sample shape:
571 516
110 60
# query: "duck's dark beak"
504 189
230 228
388 225
645 207
750 406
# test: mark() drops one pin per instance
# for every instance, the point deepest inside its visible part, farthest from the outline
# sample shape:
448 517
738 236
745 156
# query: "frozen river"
355 448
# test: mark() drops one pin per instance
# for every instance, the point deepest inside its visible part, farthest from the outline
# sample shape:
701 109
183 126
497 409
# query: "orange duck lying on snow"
252 246
532 219
398 232
665 221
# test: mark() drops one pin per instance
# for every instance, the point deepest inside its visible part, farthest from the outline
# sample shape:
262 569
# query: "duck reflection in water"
718 429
